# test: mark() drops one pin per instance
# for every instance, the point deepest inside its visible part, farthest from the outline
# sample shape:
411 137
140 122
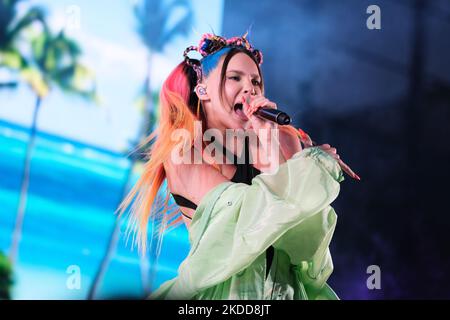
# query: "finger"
342 164
263 101
305 138
326 149
267 103
347 169
252 109
246 105
246 102
255 100
334 155
258 104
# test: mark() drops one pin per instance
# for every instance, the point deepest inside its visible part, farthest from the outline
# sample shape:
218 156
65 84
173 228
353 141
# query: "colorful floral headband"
211 43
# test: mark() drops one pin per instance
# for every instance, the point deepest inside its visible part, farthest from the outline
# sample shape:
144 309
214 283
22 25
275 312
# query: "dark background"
382 98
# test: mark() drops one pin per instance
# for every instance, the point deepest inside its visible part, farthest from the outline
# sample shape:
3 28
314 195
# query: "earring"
201 91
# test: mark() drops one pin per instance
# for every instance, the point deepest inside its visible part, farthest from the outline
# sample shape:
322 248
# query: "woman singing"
255 201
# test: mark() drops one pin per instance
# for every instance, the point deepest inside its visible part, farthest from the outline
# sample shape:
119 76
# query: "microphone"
271 114
275 115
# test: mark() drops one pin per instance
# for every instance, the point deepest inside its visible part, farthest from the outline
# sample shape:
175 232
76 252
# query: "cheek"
230 92
259 90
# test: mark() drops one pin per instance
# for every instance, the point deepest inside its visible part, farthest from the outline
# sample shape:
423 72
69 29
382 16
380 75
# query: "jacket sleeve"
235 223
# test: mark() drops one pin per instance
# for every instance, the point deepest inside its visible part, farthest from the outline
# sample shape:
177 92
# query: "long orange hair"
179 108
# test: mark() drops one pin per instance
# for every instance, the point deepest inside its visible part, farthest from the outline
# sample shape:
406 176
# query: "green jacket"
235 223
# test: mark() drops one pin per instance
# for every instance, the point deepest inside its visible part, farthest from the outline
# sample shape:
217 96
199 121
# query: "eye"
237 78
256 82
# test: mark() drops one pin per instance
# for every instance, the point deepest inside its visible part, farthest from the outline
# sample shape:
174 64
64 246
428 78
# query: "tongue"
241 114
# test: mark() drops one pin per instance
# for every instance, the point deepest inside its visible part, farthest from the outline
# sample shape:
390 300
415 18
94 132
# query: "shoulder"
192 180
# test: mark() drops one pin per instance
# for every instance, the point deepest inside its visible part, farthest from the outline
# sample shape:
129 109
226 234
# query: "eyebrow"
243 73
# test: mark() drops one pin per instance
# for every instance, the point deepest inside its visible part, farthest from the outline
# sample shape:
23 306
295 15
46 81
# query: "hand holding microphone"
267 110
263 108
262 119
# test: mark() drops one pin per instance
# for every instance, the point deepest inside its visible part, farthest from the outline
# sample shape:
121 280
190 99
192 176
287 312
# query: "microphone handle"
274 115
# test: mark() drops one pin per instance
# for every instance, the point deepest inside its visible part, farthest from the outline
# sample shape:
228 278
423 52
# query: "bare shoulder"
192 181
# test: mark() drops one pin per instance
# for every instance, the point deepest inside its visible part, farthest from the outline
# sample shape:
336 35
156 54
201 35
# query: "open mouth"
238 109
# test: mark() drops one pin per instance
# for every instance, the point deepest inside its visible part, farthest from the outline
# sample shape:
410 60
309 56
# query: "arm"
289 144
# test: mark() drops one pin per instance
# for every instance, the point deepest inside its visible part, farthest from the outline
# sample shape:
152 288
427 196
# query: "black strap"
184 214
182 201
245 172
269 257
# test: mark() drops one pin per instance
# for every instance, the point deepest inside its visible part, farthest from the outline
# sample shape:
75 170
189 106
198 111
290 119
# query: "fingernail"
302 133
357 177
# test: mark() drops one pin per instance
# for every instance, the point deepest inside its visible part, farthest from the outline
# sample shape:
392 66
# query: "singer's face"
242 79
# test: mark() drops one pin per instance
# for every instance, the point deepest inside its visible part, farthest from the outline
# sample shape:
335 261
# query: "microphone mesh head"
284 119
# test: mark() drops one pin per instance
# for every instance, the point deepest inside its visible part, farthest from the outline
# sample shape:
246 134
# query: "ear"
201 92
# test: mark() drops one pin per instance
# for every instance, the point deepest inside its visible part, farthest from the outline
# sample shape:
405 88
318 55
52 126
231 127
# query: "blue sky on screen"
113 50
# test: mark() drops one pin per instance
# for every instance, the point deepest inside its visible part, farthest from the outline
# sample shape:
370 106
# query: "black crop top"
245 172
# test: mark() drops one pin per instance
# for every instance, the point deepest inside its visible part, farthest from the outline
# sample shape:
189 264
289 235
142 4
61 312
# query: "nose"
249 88
252 91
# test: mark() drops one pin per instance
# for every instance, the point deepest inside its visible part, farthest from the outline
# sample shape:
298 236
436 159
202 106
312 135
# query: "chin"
238 125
